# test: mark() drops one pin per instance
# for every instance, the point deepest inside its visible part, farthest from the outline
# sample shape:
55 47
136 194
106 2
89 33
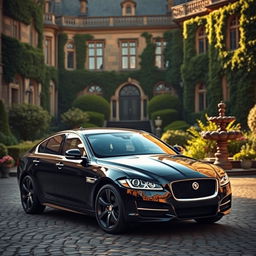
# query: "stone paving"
60 233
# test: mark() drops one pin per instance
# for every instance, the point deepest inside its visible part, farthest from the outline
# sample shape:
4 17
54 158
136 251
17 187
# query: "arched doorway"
129 103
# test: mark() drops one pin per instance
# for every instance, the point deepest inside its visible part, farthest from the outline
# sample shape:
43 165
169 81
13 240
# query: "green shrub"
246 153
90 125
177 125
93 103
163 101
17 151
252 120
6 137
200 148
74 118
96 118
167 116
3 150
176 137
29 121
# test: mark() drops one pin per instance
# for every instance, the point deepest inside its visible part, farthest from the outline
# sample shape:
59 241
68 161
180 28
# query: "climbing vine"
237 66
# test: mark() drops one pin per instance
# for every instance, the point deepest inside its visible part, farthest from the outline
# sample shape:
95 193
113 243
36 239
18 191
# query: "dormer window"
83 7
128 8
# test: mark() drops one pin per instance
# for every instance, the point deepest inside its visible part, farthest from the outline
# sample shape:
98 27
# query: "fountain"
222 136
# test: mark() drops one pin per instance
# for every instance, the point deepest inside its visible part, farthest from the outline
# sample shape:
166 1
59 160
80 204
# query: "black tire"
109 210
209 220
29 200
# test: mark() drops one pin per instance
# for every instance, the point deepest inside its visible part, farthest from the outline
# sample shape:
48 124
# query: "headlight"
224 180
140 184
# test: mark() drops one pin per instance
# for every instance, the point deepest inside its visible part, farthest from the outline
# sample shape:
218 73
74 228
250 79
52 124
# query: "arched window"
202 41
128 10
233 33
70 55
161 88
128 7
94 89
200 98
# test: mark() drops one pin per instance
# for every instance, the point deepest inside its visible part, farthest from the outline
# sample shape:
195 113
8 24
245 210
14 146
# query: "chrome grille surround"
198 198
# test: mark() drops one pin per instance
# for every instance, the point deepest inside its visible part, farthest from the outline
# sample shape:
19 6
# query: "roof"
108 7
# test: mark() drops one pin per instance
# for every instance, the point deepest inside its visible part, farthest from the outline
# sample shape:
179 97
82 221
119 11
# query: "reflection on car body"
121 176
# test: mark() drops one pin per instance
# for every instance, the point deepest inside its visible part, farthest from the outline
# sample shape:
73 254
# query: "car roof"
88 131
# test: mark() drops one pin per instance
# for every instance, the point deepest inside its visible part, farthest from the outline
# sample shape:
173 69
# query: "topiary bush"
95 118
93 103
17 151
74 118
167 116
6 137
177 125
176 137
252 119
29 122
3 150
163 101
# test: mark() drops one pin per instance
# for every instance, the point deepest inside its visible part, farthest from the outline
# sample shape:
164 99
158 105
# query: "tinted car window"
53 145
42 147
118 144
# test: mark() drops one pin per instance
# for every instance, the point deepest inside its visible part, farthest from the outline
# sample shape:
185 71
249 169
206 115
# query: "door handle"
36 162
59 165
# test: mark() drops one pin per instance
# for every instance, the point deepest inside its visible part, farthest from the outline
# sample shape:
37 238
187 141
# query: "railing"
193 7
49 18
123 21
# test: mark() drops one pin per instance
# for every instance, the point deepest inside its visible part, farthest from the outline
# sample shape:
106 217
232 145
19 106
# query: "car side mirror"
179 149
73 154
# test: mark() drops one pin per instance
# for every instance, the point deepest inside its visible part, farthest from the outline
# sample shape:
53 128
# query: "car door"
72 186
45 162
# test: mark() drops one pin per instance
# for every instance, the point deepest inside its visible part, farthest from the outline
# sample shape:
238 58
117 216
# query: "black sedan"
121 176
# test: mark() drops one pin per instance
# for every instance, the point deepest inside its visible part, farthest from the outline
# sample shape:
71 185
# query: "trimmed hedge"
167 115
175 137
17 151
93 103
163 101
95 118
177 125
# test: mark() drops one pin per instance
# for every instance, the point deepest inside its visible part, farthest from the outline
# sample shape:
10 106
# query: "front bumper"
146 206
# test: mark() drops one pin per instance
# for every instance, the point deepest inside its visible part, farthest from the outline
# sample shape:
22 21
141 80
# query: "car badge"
195 185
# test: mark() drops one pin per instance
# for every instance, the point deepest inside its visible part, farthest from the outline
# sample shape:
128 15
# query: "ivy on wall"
76 81
237 66
174 57
62 40
21 58
27 12
80 46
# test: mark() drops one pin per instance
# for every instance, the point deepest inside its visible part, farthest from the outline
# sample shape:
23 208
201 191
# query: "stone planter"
246 163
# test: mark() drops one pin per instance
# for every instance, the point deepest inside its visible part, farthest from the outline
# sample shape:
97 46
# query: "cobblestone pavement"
60 233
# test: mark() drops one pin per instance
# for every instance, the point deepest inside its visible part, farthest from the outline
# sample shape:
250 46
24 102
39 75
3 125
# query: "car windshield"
125 144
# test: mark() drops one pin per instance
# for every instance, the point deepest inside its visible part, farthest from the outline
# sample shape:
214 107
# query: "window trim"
202 37
235 28
95 42
121 41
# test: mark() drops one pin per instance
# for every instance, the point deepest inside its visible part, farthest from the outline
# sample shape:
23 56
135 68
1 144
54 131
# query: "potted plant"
6 161
246 155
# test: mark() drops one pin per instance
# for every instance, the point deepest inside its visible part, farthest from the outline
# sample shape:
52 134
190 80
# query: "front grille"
183 190
196 212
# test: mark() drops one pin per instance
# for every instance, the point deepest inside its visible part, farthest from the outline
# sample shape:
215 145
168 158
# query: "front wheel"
109 210
29 200
209 220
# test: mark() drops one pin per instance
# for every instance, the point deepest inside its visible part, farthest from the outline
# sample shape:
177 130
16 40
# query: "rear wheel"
209 220
109 209
29 200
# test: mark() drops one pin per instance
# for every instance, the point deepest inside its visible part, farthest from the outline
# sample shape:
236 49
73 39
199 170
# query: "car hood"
163 167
